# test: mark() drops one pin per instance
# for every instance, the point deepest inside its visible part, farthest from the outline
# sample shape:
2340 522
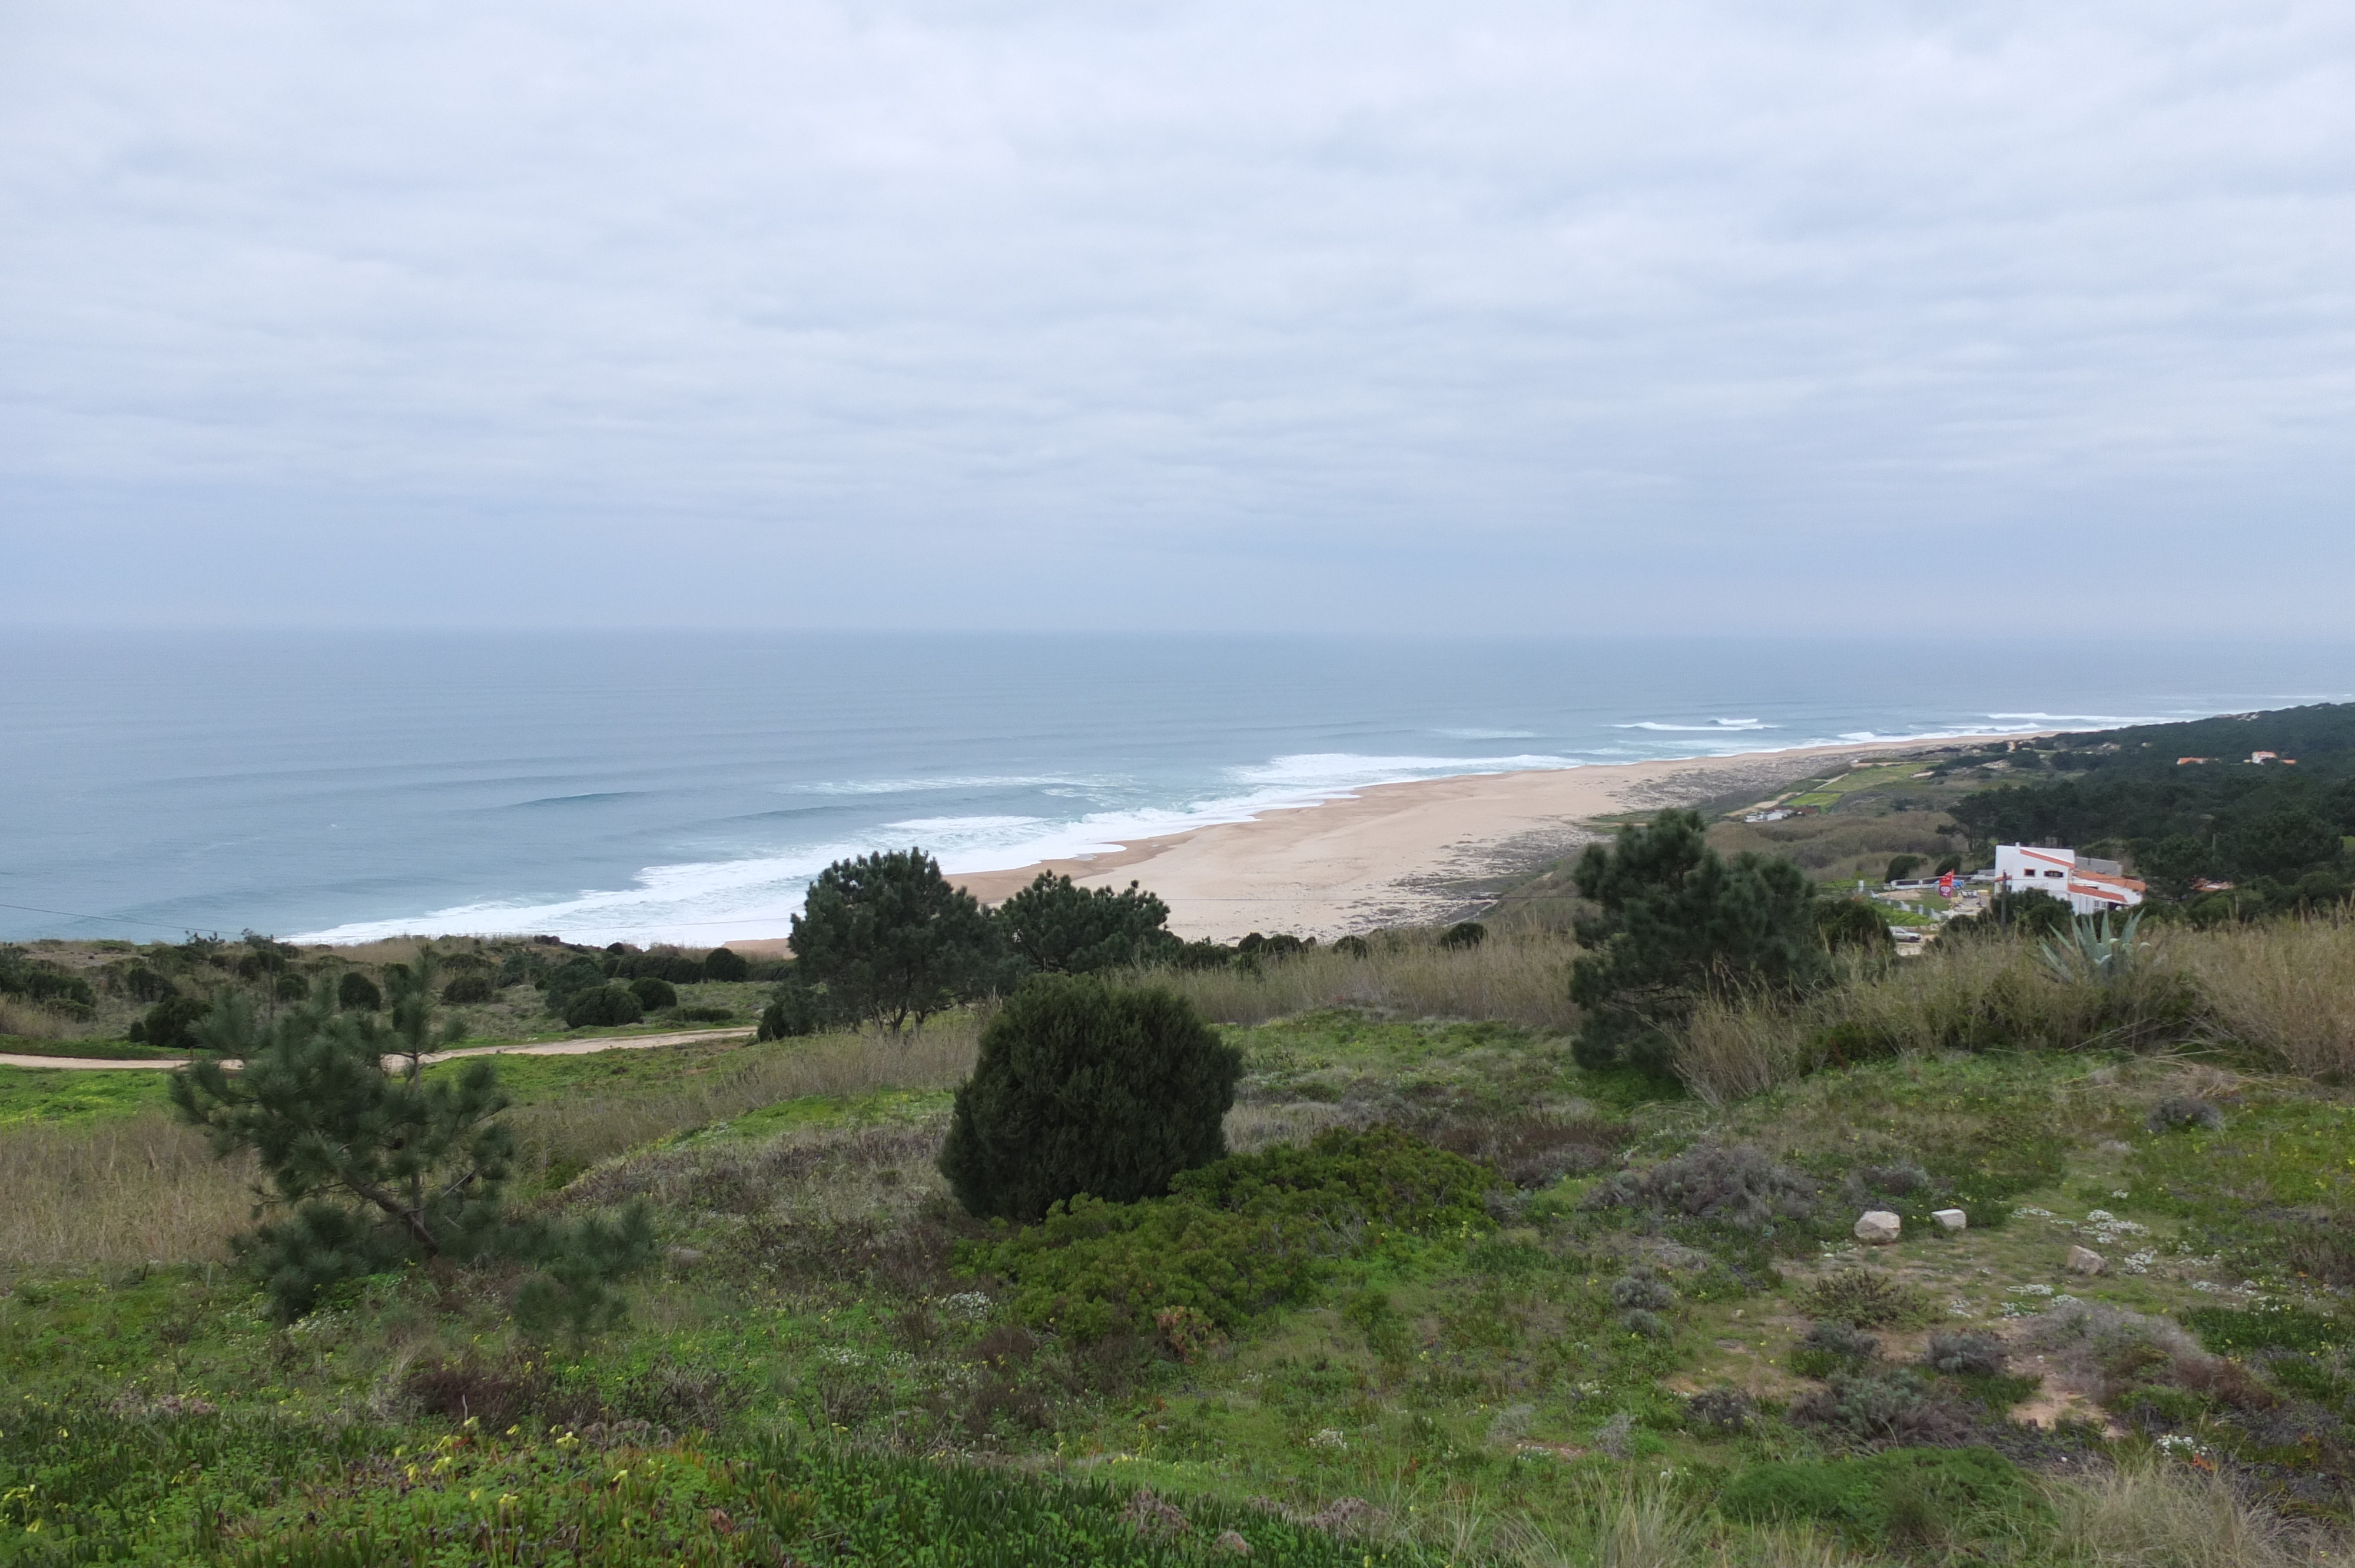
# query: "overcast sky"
1181 313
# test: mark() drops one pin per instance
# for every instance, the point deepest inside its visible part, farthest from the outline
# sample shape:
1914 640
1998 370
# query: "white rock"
1951 1219
2086 1260
1880 1227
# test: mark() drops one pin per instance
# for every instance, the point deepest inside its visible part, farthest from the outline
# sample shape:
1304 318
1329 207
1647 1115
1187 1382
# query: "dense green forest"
2275 829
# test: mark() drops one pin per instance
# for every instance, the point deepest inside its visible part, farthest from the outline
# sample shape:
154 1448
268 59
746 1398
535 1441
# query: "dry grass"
2161 1515
27 1021
2287 988
1520 979
144 1189
580 1128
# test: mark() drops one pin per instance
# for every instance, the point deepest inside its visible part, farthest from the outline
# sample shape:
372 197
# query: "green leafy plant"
1867 1299
1084 1088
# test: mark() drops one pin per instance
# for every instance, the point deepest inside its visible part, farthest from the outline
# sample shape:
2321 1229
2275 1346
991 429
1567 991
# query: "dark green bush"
653 995
1853 924
171 1024
700 1014
1895 1407
1902 866
1083 1087
1832 1346
603 1006
143 984
358 993
725 964
1353 948
1463 934
467 990
39 981
568 980
1202 956
796 1009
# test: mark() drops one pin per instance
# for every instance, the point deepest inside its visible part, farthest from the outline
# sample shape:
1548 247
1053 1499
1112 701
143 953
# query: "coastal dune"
1412 853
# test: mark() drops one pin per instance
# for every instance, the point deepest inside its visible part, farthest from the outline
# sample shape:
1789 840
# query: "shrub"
1902 866
290 988
1965 1355
653 995
1642 1286
1830 1346
1853 924
705 1015
467 990
725 964
2178 1111
1463 934
1720 1411
1236 1236
603 1006
43 983
171 1024
1876 1408
796 1009
143 984
1534 1148
1060 928
1739 1187
1353 948
568 980
1644 1323
1867 1299
1082 1087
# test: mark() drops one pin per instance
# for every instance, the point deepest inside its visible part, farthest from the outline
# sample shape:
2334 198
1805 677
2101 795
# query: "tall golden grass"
144 1189
147 1189
1519 978
2283 990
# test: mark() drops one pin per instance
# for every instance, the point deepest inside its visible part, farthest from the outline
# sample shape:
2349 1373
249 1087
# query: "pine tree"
1060 927
1678 922
369 1166
890 940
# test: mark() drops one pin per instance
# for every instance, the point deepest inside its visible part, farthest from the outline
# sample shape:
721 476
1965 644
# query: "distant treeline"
2275 829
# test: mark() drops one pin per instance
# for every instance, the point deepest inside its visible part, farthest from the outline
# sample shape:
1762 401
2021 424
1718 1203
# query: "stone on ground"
2086 1260
1952 1219
1879 1227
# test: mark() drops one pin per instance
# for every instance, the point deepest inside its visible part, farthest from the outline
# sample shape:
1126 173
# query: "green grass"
62 1095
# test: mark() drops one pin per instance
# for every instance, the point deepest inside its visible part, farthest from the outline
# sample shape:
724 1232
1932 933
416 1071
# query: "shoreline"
1415 851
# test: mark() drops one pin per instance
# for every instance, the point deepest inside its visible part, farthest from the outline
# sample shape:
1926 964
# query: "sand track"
528 1048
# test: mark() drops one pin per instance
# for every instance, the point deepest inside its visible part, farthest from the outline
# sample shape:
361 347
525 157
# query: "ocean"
684 787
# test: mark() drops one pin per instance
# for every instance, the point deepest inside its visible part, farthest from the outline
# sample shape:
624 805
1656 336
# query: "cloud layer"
1186 314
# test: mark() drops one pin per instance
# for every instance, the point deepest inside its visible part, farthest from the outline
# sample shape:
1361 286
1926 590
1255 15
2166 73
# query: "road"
539 1048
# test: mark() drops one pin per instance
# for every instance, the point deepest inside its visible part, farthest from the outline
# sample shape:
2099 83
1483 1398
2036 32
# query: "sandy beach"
1417 852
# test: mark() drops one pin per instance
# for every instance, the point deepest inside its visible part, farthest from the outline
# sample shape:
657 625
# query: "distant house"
2090 885
1775 815
2262 758
2188 762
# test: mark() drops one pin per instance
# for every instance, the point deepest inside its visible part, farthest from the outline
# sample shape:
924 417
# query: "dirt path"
540 1048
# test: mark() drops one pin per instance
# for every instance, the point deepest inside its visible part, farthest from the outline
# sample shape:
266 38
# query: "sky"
1185 315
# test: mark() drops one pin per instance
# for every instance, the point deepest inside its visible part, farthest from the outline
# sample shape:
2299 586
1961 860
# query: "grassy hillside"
1545 1316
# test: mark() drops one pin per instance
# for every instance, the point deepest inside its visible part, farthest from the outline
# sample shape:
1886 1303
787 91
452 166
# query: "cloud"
1266 316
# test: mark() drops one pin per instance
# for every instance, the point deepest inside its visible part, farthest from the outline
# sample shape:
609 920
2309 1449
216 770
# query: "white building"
2090 885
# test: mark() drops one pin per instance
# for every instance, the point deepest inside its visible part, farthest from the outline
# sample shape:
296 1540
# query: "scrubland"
1498 1309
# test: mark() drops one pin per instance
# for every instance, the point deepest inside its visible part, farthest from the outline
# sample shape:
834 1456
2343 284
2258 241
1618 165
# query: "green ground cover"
1534 1296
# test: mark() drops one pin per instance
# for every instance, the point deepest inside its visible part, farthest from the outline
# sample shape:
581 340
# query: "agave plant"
2093 953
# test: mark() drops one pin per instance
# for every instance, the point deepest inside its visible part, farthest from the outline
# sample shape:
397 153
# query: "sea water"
684 786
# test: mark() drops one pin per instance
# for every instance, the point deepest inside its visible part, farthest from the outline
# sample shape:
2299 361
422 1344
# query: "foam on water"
640 785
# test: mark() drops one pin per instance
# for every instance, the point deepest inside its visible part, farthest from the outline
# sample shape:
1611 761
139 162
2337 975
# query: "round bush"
722 964
1352 947
168 1023
653 995
468 990
601 1005
1463 934
1086 1087
358 993
291 988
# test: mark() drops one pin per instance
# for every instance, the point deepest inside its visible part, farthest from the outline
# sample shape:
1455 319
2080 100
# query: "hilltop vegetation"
1399 1273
